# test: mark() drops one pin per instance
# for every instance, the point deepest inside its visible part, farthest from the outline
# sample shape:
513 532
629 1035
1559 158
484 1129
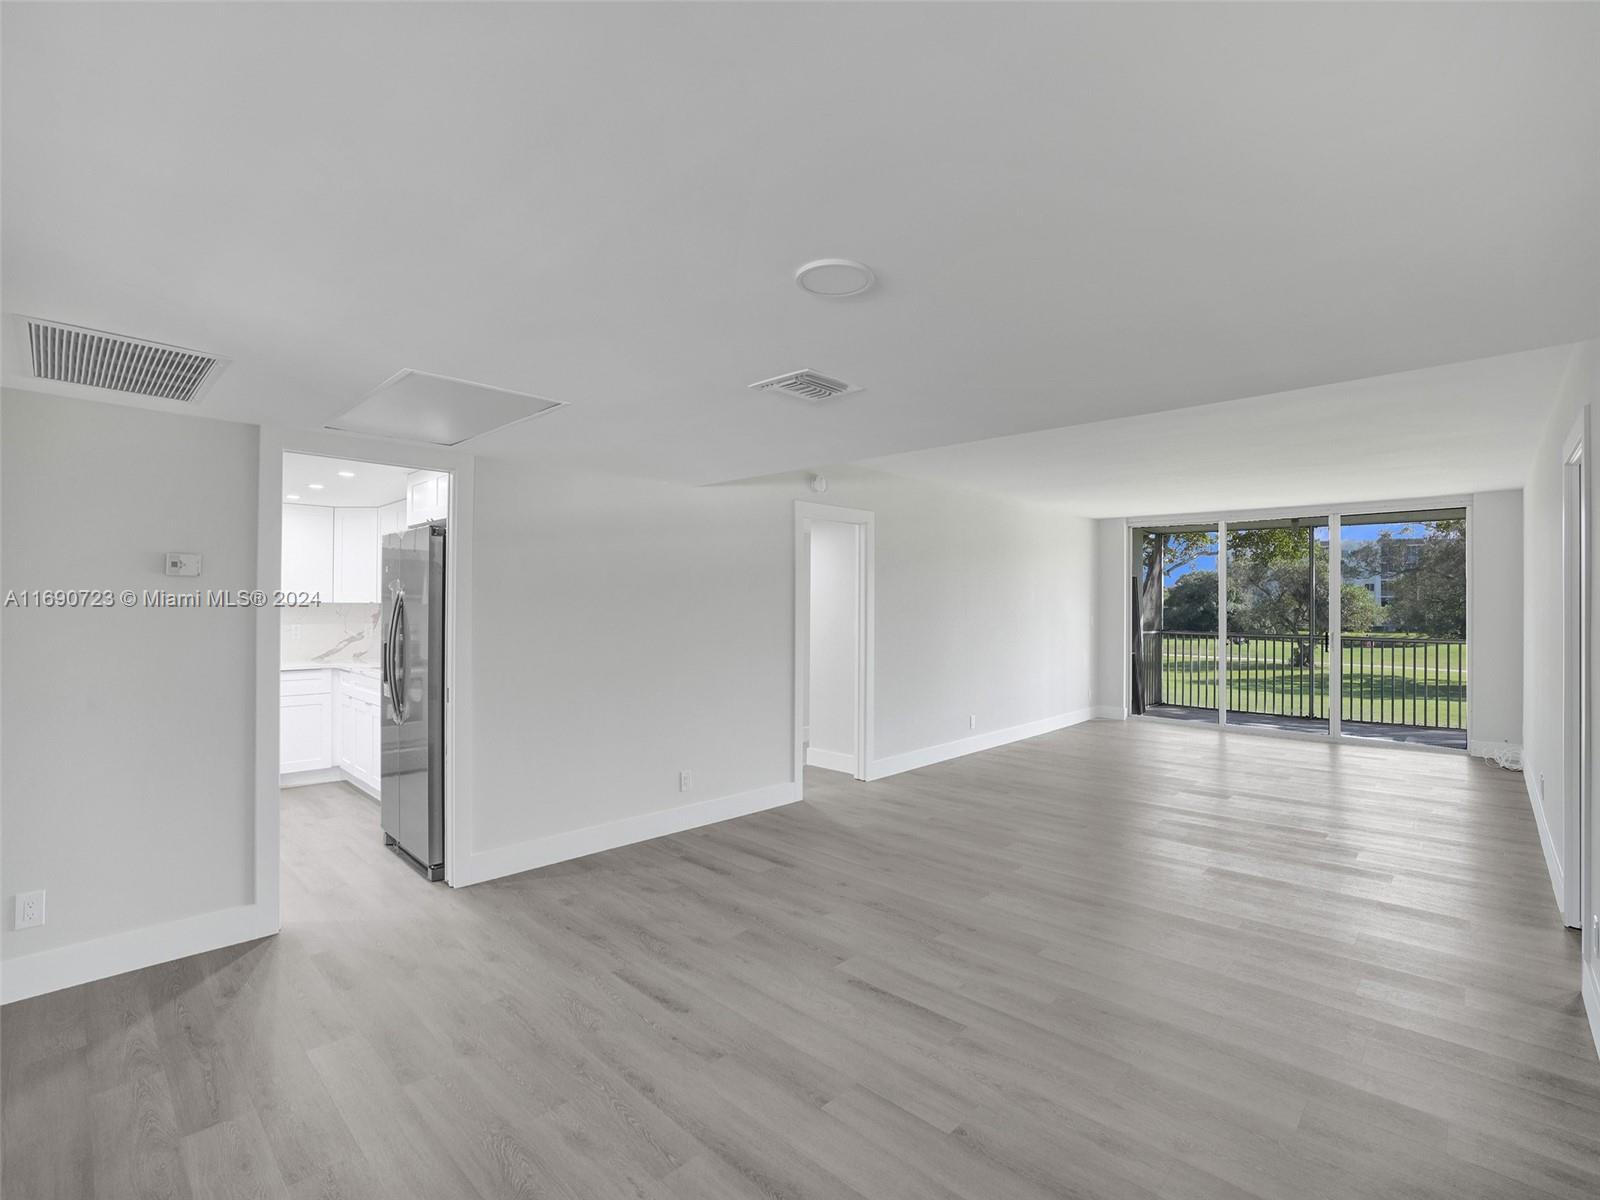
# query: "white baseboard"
1485 748
328 775
83 962
1109 712
1552 859
577 843
308 778
882 768
1591 1003
830 760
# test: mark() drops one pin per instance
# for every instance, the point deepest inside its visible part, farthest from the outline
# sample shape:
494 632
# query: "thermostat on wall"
179 563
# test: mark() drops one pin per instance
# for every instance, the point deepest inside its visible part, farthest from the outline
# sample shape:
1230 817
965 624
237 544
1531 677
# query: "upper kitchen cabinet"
427 497
391 519
356 567
308 550
332 553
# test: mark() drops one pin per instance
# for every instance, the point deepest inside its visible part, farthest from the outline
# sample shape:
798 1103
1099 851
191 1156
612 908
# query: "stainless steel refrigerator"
413 696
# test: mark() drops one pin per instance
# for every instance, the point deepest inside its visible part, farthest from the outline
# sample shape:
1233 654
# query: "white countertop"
357 668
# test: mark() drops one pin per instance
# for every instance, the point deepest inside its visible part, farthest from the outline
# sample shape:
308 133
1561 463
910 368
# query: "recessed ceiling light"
315 487
835 277
292 496
347 474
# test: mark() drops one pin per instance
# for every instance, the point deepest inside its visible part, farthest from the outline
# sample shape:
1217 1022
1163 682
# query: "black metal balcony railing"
1418 683
1279 676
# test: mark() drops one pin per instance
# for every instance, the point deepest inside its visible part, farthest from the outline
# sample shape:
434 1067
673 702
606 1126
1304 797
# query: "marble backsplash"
332 633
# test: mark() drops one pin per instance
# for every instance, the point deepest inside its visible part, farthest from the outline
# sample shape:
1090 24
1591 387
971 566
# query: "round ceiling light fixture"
835 278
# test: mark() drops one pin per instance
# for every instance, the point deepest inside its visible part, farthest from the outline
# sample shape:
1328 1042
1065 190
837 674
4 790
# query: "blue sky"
1349 535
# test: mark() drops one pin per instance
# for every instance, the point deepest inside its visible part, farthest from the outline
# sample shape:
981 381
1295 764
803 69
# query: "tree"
1191 603
1359 610
1270 581
1162 552
1431 596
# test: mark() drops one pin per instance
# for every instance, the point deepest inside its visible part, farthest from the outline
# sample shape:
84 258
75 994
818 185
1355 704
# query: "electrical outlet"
972 720
685 780
30 909
1541 778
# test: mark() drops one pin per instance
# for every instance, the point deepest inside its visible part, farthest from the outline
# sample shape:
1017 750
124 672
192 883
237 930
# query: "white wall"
834 644
639 629
1543 702
127 785
1114 617
1494 602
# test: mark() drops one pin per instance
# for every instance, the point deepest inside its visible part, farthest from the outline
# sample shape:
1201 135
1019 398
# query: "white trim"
1576 662
1489 747
895 764
625 831
100 958
1552 860
831 760
1108 712
806 511
1591 1003
296 779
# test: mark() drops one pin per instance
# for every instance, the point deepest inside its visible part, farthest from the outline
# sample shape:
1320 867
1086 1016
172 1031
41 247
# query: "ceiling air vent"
96 359
807 385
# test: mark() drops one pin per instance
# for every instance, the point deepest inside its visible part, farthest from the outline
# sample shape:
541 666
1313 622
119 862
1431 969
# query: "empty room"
799 601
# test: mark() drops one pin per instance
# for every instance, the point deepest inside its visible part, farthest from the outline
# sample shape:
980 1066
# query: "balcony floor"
1454 739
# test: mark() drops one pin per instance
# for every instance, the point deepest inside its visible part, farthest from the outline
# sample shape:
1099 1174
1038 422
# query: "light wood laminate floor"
1123 960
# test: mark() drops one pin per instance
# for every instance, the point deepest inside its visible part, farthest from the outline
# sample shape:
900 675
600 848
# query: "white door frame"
275 442
866 575
1576 580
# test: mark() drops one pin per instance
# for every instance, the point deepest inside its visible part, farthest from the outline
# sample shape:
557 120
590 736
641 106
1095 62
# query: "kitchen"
336 515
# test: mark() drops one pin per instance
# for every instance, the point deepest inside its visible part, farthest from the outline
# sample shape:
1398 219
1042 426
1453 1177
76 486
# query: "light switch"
179 563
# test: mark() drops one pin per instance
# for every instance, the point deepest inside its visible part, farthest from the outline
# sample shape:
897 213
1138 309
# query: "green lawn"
1387 678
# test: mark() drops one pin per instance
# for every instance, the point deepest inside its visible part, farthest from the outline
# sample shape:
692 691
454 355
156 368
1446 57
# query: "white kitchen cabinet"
328 722
355 556
308 550
305 721
358 731
391 519
427 497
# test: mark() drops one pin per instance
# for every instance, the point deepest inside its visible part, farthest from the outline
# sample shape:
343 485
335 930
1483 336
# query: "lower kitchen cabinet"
358 731
305 721
328 724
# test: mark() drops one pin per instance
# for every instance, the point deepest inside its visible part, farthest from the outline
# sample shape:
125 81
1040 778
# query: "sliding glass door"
1175 611
1277 636
1404 608
1232 624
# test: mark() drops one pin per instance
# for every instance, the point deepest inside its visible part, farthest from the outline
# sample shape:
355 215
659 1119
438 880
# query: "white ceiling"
370 485
1435 432
1077 212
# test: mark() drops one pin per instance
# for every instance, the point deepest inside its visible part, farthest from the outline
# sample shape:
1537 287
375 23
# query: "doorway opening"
833 640
362 671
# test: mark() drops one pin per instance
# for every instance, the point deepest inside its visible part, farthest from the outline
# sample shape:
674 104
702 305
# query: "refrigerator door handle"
390 650
398 679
